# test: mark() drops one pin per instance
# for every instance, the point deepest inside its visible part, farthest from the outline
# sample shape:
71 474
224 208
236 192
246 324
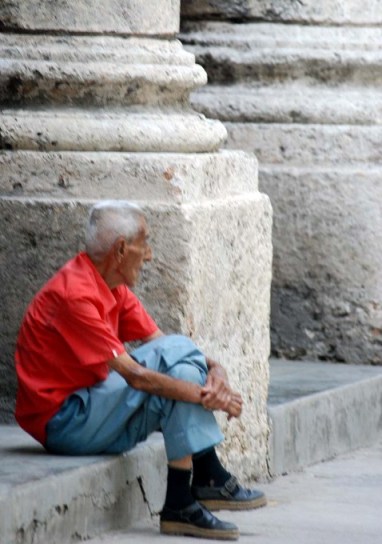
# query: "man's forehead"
144 229
145 226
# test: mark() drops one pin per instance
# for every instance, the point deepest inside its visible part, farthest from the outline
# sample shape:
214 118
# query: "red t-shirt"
71 329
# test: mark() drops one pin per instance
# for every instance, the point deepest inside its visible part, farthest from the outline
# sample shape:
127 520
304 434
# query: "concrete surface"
51 499
338 502
320 410
291 380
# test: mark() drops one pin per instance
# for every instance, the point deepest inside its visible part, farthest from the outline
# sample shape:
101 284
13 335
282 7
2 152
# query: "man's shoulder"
71 279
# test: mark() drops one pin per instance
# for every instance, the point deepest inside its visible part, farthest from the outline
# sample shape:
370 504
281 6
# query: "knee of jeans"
188 373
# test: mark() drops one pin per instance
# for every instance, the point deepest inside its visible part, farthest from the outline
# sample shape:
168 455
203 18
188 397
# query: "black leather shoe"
196 520
231 496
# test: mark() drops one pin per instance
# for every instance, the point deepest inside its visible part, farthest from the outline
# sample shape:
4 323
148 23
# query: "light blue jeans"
112 417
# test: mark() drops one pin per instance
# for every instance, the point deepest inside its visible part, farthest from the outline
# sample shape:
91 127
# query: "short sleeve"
134 321
89 337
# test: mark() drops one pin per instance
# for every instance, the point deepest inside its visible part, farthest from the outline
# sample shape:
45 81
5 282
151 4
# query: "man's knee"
189 373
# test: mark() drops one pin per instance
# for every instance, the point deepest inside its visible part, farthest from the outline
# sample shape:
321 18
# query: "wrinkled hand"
235 406
218 395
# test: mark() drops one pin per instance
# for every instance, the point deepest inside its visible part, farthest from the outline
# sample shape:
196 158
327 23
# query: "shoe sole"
215 504
186 529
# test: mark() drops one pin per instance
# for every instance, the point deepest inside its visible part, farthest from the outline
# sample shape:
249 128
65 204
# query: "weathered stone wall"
98 108
299 85
289 11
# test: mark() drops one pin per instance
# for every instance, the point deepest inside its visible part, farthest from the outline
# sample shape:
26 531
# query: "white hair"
107 221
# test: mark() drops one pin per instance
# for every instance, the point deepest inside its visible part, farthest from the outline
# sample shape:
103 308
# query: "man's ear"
120 249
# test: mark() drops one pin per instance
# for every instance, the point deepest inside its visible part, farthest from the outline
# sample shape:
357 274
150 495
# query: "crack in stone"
140 483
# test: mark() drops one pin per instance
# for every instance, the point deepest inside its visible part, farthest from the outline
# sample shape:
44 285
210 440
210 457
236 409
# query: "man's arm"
155 383
217 393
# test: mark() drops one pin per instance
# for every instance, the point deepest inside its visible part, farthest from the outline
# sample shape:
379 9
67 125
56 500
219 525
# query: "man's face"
137 252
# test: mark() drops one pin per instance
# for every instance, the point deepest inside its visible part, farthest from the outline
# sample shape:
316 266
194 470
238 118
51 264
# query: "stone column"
299 84
95 104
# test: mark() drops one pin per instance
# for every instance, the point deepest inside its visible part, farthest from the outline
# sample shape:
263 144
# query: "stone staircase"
317 411
52 499
301 88
321 410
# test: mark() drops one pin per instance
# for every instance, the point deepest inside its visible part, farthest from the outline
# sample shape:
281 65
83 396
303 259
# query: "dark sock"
208 470
178 494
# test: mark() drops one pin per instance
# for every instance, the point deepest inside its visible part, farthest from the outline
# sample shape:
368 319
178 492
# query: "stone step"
58 500
331 12
314 144
267 53
321 410
295 103
225 65
337 502
317 410
243 37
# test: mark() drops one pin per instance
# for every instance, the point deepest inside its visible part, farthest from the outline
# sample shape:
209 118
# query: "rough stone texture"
226 313
110 132
77 497
162 177
307 100
294 104
332 242
81 93
83 71
307 12
116 16
259 33
264 54
292 145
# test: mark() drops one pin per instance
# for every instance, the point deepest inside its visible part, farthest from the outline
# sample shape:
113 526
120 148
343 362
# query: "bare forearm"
156 383
167 387
215 395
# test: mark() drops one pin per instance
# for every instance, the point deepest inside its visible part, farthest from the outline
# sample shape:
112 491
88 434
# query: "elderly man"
81 393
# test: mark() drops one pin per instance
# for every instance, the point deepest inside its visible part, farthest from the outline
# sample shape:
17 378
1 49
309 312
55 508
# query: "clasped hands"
218 395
